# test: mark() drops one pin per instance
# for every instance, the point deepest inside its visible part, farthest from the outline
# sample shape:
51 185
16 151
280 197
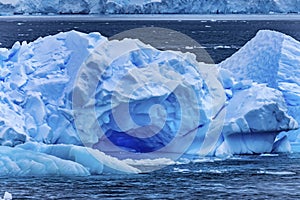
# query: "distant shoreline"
149 17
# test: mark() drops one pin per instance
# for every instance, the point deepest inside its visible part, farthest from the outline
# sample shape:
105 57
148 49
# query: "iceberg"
81 89
271 58
108 106
52 105
147 7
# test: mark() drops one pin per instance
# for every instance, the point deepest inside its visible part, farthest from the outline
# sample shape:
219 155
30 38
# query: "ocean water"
240 177
219 38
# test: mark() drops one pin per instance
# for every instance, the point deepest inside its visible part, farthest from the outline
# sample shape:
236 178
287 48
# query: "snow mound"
147 6
271 58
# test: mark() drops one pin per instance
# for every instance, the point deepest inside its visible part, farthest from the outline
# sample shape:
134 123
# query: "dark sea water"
220 38
240 177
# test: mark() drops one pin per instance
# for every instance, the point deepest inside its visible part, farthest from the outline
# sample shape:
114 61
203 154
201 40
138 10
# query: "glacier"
271 58
99 106
147 7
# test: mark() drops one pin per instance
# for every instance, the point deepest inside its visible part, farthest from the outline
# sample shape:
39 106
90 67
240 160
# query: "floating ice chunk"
140 99
150 162
269 155
179 170
7 196
189 48
222 47
280 173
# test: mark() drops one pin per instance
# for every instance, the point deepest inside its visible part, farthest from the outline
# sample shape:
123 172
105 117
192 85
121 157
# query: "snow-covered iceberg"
146 6
271 58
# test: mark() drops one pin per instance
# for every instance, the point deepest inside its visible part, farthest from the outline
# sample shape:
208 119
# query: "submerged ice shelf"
74 98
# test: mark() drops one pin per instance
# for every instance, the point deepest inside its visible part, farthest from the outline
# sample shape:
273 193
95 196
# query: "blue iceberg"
97 105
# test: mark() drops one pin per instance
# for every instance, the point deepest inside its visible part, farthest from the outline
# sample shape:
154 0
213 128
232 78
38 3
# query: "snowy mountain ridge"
148 6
